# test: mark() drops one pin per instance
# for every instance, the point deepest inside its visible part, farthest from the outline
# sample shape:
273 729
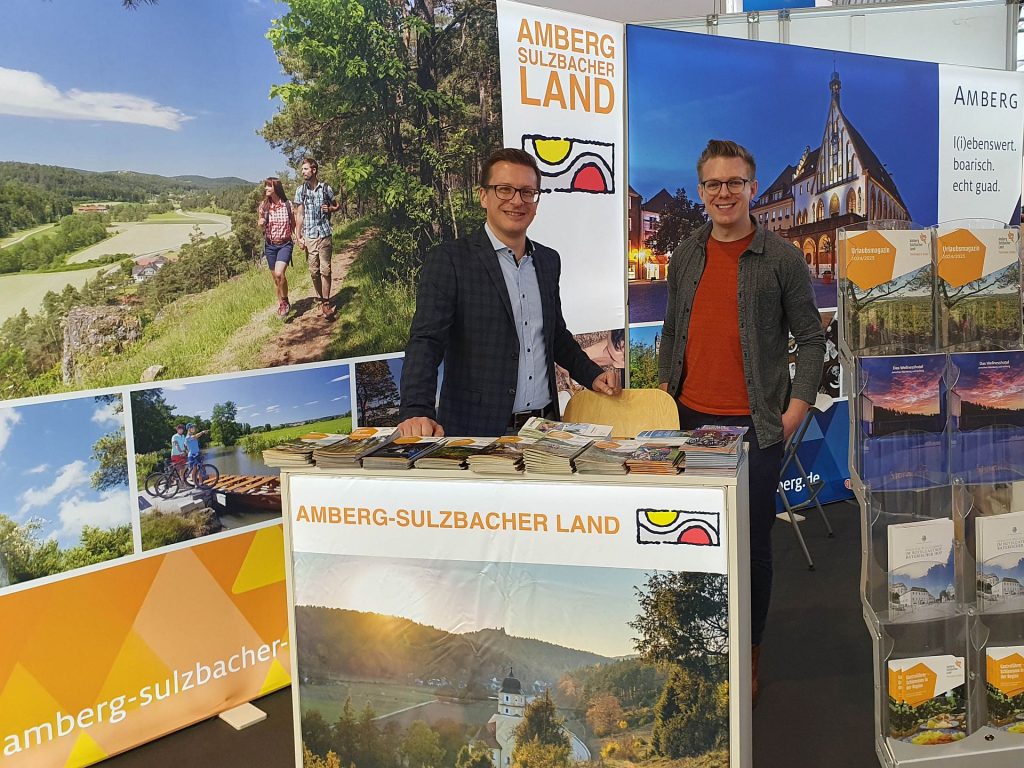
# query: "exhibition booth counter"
426 598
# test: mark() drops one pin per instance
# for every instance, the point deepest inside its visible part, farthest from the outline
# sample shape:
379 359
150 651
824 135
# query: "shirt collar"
498 246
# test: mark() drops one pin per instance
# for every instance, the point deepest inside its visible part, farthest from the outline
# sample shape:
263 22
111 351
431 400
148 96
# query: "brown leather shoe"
755 661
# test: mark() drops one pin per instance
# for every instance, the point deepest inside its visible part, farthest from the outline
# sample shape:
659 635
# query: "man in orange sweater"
735 293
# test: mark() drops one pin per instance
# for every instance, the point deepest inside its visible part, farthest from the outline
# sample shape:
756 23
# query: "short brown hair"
508 155
312 162
726 148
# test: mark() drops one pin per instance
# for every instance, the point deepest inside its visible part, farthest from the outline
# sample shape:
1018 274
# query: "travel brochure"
999 561
348 451
901 419
657 457
401 452
1004 687
885 291
453 453
987 416
297 452
502 457
921 571
927 705
554 453
978 283
537 428
606 457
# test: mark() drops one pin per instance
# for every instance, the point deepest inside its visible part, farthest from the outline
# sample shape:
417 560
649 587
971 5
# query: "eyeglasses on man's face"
714 186
508 192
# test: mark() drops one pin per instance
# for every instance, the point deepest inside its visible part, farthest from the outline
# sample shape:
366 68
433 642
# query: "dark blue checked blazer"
464 317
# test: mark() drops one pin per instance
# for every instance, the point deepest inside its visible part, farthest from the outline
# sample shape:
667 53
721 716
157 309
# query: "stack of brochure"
656 457
453 453
502 457
538 428
291 453
713 450
347 453
553 454
400 453
606 457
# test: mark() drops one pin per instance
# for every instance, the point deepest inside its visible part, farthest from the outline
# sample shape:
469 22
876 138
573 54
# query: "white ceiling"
633 10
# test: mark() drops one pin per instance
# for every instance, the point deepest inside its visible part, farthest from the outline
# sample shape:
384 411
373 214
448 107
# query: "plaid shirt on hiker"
315 223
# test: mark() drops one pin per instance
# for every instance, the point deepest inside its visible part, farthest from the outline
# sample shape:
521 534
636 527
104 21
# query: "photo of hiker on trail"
277 223
158 270
314 204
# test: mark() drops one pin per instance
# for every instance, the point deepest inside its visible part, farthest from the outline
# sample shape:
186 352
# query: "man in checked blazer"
488 305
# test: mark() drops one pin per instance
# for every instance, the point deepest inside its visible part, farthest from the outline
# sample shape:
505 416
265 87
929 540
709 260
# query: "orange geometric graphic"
961 257
868 257
914 686
97 663
1007 674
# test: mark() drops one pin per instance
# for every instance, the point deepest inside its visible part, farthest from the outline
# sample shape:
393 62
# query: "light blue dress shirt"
532 386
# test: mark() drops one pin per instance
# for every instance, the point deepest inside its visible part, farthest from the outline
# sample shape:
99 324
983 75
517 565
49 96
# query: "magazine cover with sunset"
899 436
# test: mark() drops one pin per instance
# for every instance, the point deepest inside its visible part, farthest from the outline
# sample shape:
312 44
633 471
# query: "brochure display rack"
930 338
416 591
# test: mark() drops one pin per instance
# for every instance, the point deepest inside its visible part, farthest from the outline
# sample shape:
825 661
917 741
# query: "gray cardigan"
775 299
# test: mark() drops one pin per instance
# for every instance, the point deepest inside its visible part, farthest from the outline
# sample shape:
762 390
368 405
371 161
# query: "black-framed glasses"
508 192
714 186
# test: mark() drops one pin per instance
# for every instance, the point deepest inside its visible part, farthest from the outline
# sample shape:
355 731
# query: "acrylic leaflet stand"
930 339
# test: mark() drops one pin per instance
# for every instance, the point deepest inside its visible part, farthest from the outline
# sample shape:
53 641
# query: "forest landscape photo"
455 663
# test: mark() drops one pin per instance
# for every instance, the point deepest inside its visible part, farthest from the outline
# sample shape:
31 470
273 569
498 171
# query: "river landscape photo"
232 420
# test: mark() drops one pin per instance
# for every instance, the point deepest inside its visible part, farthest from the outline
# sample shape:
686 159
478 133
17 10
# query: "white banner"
562 98
981 123
600 524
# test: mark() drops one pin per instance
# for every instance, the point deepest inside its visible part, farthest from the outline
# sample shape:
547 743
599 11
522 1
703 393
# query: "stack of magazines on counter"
290 454
554 454
348 452
713 450
606 457
502 457
453 453
558 443
401 452
657 456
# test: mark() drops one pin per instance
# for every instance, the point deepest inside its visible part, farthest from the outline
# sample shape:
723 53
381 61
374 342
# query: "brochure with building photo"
927 705
1004 687
987 416
999 559
921 571
901 418
978 283
886 291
